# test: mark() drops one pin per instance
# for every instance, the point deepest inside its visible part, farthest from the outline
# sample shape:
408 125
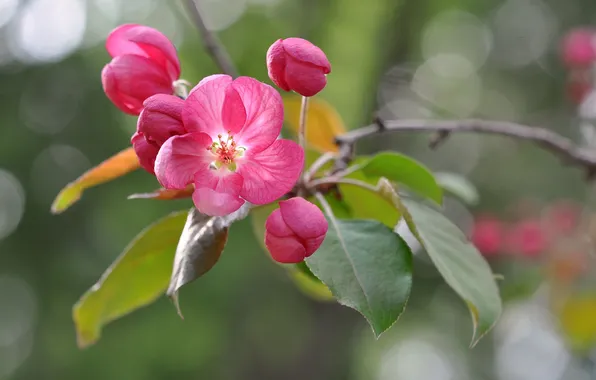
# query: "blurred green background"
245 319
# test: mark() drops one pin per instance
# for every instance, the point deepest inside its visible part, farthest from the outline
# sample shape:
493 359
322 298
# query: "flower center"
225 151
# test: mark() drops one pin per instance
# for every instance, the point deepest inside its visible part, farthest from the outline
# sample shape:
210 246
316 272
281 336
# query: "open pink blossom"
160 119
144 63
295 64
231 152
295 230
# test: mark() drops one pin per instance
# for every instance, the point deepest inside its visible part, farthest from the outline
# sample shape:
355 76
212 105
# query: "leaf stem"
317 165
345 181
302 125
327 208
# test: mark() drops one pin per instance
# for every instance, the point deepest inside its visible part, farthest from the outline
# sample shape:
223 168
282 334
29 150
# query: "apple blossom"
231 152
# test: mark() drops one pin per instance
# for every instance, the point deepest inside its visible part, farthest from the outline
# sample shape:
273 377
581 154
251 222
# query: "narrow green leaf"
458 186
368 268
459 262
202 241
407 171
137 277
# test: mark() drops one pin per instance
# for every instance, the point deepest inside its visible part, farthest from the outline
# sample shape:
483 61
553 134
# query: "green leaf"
367 267
202 241
459 187
459 262
137 277
364 204
404 170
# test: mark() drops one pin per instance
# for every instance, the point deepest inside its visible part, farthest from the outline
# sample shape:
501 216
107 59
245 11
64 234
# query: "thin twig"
551 141
214 47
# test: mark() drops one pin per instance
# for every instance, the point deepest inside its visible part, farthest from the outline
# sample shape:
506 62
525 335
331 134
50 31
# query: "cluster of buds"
530 237
223 138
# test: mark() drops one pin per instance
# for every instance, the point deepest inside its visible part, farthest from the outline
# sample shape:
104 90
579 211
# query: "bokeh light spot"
12 203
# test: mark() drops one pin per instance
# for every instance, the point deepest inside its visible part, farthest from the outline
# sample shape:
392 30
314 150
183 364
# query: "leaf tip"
85 336
175 300
65 198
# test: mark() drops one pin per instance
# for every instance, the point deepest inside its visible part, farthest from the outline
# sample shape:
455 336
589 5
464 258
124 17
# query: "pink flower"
144 63
579 48
297 65
487 235
160 119
231 152
295 230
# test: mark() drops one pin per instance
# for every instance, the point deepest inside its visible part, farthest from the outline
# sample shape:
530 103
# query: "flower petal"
161 118
128 80
305 79
180 157
304 218
276 225
145 151
214 203
264 113
311 245
233 113
305 51
203 108
217 192
286 250
147 42
221 180
276 63
207 79
271 173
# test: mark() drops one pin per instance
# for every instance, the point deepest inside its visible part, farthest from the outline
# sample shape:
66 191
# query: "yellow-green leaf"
116 166
137 277
323 122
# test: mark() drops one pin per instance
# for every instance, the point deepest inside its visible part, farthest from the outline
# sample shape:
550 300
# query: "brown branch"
551 141
213 45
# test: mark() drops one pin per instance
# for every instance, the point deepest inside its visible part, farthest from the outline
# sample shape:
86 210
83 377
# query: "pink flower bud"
578 85
160 119
295 230
527 238
146 151
579 47
295 64
144 63
487 235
